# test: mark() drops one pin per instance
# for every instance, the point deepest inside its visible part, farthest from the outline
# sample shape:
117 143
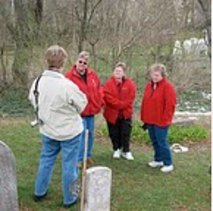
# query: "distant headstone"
98 189
184 122
8 186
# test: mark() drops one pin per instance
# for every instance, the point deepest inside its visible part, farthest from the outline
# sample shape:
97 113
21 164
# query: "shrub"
176 134
14 102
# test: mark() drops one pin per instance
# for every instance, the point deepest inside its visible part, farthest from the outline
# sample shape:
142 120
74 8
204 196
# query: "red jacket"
116 101
158 106
91 89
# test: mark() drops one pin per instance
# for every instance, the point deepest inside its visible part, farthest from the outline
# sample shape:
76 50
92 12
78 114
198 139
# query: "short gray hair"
84 55
56 56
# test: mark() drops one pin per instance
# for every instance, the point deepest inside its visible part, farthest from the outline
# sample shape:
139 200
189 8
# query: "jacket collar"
52 74
159 83
75 72
115 81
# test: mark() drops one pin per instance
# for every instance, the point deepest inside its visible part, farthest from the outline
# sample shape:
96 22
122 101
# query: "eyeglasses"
81 62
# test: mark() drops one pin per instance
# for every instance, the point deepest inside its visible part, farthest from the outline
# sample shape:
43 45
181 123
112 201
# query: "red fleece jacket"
118 101
91 89
158 106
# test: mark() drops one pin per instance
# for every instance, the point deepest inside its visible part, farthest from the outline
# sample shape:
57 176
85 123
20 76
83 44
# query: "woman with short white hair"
58 103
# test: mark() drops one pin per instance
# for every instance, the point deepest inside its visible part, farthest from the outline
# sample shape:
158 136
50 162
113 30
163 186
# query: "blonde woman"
119 94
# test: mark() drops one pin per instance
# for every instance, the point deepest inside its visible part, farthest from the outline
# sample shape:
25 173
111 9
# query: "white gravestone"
8 186
98 189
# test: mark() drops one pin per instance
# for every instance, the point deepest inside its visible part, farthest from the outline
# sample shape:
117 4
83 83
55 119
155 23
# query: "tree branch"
93 11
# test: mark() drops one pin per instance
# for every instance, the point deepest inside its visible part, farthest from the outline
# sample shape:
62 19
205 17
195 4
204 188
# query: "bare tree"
205 6
84 11
23 30
23 33
137 32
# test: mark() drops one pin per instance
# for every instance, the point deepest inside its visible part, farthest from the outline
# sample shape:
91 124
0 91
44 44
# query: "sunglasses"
81 62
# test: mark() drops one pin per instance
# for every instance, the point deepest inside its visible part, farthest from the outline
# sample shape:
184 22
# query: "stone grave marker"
8 186
98 189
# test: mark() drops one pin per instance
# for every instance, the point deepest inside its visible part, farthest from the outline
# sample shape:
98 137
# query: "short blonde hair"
56 56
122 65
84 55
159 68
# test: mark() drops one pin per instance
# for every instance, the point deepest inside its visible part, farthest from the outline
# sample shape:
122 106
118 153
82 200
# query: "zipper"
152 92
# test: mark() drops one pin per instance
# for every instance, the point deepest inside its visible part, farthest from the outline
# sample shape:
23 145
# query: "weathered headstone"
189 118
8 186
98 189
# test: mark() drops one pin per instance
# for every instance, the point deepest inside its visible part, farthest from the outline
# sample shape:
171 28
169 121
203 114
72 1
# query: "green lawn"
135 186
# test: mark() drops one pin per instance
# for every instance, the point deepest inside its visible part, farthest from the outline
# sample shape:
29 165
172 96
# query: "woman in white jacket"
58 103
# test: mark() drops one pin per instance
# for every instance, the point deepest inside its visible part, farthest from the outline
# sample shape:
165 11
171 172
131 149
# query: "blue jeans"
158 136
69 151
88 123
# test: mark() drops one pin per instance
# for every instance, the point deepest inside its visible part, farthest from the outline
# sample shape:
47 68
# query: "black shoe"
39 198
70 205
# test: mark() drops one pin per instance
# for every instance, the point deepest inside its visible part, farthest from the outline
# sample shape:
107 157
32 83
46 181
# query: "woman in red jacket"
157 110
89 83
119 94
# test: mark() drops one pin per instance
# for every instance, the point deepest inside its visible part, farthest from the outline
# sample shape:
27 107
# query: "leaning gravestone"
98 189
8 186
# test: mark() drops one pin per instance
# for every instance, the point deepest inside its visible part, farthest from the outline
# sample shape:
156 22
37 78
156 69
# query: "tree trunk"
38 11
82 34
20 66
4 70
24 31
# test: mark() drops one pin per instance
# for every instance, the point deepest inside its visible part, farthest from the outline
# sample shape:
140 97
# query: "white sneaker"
127 155
167 169
155 164
117 154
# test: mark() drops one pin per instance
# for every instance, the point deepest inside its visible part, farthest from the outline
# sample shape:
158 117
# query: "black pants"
120 133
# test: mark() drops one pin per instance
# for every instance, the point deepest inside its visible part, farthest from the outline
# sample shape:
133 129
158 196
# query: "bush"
190 133
14 102
176 134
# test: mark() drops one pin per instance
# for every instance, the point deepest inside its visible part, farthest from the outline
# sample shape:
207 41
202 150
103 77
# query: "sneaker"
155 164
117 154
127 155
167 169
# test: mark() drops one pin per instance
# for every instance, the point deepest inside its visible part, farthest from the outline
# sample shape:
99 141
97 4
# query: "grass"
176 133
135 187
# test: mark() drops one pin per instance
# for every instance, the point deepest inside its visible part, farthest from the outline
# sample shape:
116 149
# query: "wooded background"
138 32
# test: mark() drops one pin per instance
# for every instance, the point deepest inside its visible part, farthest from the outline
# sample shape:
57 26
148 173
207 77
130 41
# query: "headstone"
98 189
189 118
8 186
184 122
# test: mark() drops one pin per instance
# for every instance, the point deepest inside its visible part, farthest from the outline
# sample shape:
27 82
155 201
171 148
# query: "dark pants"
119 134
158 136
